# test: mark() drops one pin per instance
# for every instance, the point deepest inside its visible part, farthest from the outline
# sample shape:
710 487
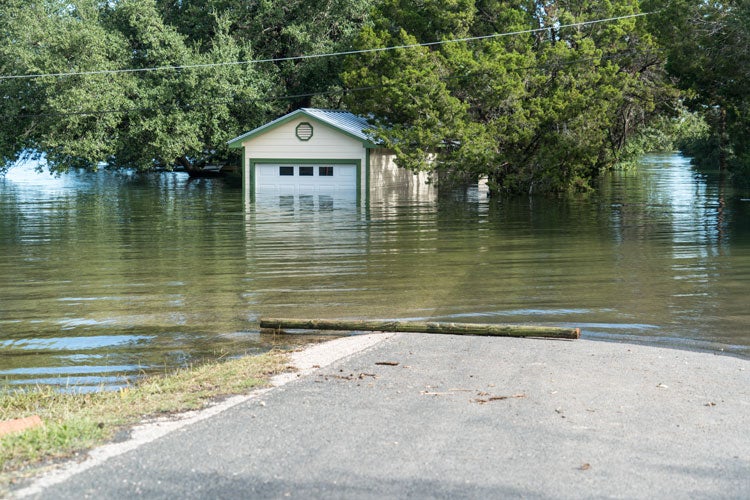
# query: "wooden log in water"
279 324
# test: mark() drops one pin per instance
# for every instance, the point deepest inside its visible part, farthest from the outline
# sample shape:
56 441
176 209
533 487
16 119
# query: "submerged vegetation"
74 422
539 96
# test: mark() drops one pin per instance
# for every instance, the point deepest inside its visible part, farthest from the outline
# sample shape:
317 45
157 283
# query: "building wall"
326 143
385 177
388 179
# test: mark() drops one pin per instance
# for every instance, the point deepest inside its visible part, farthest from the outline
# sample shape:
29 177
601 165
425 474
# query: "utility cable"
234 100
329 54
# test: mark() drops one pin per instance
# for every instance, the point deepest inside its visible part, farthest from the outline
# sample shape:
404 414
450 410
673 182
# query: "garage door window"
305 177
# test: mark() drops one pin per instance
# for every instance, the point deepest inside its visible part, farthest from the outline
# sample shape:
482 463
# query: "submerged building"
319 151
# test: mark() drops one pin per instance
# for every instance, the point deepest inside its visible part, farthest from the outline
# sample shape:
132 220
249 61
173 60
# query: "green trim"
296 131
251 173
308 161
237 142
359 179
367 177
242 168
315 161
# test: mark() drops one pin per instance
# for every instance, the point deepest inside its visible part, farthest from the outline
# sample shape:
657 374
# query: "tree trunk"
278 324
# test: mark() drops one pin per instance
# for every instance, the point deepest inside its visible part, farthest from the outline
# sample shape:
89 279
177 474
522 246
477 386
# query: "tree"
280 30
541 111
51 37
176 114
182 116
708 48
127 119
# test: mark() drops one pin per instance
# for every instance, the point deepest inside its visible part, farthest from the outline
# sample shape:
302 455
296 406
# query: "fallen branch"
497 398
279 324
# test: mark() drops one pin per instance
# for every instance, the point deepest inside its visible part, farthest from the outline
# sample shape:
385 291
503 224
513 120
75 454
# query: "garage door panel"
267 172
269 179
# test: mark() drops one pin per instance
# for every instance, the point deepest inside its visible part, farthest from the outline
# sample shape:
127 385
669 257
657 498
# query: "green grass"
77 422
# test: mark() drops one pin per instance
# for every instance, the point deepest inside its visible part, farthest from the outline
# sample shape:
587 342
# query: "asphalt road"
430 416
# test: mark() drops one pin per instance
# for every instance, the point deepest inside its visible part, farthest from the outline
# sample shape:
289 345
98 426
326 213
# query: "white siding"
325 144
280 145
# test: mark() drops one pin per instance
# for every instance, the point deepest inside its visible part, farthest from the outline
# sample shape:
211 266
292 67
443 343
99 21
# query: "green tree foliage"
44 37
182 116
164 117
130 119
278 29
541 111
708 47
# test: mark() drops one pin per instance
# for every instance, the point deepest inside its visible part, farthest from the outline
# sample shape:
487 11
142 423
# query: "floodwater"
104 277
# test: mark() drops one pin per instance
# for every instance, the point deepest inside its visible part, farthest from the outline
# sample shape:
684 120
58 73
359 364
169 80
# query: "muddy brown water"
107 276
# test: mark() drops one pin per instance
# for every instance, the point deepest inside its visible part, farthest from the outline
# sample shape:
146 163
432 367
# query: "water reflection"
118 274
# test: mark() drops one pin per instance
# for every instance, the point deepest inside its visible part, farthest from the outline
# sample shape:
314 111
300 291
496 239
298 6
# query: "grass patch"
76 422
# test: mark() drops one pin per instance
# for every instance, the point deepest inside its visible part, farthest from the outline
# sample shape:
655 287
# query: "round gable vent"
304 131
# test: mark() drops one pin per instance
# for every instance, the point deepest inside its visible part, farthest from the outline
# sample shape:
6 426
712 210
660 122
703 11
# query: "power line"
197 105
233 100
318 56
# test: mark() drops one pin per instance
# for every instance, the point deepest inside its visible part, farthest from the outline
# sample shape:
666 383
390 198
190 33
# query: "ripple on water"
108 276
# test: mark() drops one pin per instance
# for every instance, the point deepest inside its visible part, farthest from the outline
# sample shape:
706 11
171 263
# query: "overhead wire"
234 100
322 55
199 104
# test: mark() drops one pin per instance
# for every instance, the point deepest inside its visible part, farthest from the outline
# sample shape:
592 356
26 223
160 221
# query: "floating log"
279 324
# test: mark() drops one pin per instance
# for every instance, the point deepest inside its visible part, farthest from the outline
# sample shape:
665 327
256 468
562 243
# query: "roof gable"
345 122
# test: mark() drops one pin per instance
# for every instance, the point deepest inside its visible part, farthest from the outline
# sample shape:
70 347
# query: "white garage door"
304 179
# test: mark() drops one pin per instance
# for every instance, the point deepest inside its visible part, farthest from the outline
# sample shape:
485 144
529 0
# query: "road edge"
303 363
